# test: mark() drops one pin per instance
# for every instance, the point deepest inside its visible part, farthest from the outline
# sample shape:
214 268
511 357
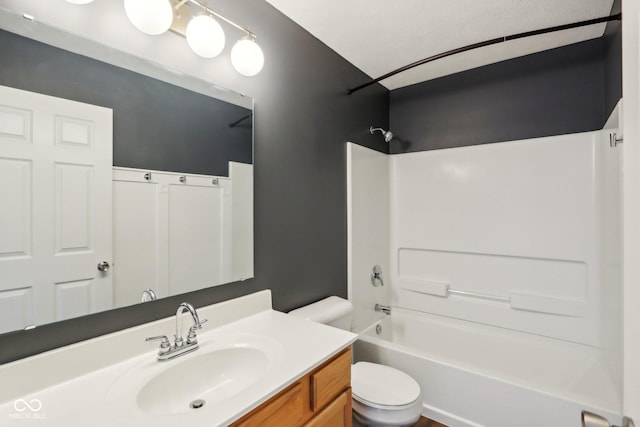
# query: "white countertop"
105 396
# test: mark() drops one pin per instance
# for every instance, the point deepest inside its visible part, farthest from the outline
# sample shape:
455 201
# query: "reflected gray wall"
156 125
302 120
613 62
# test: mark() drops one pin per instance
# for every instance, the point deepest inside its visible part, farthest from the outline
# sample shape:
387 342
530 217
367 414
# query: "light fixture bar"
616 17
202 31
217 15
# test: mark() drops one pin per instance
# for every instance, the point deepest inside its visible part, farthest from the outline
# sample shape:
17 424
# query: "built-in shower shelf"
515 300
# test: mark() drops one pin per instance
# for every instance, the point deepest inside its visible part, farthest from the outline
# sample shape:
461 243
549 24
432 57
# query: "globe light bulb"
205 36
247 57
152 17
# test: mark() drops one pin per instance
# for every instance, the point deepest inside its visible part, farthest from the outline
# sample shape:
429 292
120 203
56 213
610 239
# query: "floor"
426 422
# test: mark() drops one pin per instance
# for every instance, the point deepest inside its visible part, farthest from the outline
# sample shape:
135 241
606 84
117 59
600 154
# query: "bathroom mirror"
181 184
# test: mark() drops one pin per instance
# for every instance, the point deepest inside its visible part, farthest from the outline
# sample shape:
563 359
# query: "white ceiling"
379 36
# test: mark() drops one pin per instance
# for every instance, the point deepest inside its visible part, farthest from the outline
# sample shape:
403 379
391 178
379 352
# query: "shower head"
388 135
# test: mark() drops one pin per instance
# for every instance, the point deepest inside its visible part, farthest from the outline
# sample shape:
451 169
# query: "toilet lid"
382 385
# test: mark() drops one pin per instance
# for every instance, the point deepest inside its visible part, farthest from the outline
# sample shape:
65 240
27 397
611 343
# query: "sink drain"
197 404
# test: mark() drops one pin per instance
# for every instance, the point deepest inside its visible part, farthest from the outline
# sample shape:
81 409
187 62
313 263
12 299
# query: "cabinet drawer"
284 410
330 380
337 414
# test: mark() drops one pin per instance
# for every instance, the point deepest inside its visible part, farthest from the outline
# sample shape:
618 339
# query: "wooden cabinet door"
337 414
284 410
330 380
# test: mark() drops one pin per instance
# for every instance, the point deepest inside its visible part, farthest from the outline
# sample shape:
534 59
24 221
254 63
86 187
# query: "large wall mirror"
118 184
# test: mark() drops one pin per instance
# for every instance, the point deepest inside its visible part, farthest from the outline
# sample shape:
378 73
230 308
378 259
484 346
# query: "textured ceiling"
378 36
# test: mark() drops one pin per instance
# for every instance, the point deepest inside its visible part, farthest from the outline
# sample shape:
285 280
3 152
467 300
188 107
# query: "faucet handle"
192 337
165 345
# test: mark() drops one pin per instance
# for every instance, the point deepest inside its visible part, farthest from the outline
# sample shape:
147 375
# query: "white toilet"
382 396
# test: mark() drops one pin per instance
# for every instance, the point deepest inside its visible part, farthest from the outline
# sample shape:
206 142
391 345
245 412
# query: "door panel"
136 241
74 223
196 238
15 124
15 307
73 299
15 215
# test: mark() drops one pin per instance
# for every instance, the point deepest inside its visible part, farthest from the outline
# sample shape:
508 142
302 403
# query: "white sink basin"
218 371
206 378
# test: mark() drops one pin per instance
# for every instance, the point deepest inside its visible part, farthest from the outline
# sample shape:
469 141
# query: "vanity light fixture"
205 36
153 17
203 32
247 57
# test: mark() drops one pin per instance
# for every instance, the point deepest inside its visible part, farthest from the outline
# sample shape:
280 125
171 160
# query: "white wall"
520 222
611 211
631 197
368 230
241 176
161 241
533 227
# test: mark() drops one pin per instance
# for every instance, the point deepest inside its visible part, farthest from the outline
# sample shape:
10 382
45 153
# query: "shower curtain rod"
616 17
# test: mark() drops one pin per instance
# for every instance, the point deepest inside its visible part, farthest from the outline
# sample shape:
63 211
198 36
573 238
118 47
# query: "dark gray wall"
554 92
156 125
302 119
613 62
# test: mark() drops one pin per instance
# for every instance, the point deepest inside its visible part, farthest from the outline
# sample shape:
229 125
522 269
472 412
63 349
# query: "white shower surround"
551 233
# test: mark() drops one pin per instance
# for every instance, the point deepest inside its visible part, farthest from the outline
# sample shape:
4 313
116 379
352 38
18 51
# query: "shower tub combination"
475 376
502 273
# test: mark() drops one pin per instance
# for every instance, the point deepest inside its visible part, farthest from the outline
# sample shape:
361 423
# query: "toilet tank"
333 311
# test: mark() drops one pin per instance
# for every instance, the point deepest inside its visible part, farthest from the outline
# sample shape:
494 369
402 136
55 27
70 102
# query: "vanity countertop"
107 395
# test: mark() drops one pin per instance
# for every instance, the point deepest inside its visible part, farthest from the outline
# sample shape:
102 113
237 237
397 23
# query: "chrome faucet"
383 309
180 346
148 295
191 337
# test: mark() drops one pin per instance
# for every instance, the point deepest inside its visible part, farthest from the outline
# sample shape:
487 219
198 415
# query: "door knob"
103 266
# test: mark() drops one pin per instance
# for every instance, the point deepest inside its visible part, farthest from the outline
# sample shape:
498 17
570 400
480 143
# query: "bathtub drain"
378 329
197 404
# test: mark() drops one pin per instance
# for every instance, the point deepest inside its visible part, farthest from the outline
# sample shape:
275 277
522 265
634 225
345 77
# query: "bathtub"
477 375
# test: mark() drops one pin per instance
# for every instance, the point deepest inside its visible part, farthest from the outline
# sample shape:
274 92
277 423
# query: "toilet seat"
383 387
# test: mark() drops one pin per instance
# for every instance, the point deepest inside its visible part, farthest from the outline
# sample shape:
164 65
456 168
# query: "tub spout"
383 308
